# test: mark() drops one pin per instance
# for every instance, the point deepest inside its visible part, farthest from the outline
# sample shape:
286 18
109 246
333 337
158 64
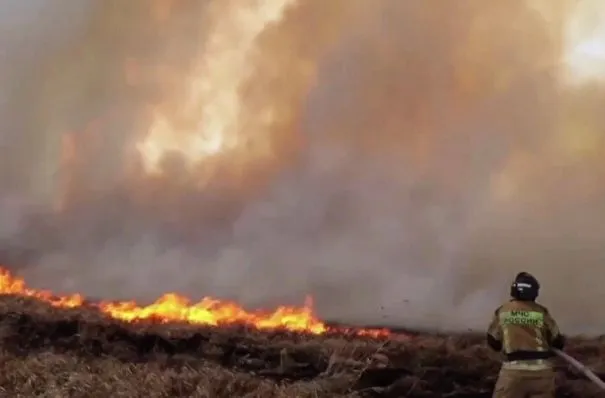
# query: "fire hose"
581 367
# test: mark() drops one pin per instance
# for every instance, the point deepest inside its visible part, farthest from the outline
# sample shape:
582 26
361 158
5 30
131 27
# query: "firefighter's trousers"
525 379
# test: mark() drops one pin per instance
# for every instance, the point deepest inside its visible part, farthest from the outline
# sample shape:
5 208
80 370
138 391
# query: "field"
48 352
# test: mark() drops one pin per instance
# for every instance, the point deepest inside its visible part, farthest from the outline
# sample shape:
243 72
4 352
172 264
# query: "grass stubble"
49 352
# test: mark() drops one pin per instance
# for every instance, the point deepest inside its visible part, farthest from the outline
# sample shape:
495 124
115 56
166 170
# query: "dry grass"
77 353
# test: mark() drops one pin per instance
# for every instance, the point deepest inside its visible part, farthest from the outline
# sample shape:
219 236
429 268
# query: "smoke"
422 154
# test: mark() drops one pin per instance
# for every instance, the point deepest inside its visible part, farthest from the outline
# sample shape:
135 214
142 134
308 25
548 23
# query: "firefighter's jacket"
525 332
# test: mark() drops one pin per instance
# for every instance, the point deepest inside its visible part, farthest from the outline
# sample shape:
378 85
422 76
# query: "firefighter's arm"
557 340
494 333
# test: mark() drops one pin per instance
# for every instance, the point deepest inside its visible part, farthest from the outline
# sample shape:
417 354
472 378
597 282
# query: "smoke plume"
400 161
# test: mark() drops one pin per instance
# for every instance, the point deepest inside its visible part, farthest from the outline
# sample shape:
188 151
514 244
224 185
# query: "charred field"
50 352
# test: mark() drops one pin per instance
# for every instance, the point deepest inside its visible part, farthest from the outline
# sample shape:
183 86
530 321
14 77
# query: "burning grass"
79 352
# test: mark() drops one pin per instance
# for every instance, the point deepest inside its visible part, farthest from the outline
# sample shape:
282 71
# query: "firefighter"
525 332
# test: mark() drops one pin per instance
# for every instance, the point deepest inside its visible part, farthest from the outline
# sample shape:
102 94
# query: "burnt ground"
46 352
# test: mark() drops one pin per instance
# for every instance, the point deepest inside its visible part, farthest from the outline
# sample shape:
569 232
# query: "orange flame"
212 110
174 308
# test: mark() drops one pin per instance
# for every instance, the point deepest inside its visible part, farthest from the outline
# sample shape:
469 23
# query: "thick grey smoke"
391 200
31 33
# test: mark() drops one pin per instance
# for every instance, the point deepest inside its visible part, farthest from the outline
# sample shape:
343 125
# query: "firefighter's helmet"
525 287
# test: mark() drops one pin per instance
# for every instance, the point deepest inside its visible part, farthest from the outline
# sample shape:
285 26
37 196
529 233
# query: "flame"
207 120
173 308
585 41
578 28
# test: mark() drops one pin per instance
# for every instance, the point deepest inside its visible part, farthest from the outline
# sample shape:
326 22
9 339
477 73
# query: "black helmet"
525 287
